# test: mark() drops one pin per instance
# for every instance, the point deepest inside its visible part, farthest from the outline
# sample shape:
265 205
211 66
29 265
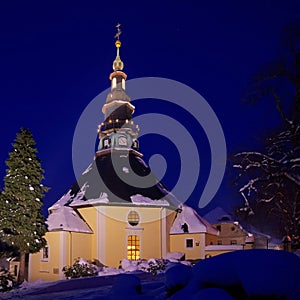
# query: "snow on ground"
230 276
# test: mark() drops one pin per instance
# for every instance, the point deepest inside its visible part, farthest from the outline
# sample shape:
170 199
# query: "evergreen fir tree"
22 223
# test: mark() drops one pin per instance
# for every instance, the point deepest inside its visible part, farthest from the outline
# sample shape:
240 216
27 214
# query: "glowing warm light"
133 247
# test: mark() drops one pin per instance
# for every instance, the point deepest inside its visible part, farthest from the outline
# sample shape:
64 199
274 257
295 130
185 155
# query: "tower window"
133 247
133 218
106 143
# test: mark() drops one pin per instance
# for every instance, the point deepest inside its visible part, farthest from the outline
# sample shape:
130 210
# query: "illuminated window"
45 253
106 143
133 247
189 243
133 218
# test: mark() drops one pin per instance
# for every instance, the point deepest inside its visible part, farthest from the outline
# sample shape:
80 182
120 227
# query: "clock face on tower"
122 141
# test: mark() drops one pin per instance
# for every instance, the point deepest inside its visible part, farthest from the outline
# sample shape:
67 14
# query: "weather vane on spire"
118 64
117 35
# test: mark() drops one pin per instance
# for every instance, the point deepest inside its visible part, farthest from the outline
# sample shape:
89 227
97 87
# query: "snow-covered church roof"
66 219
115 178
188 220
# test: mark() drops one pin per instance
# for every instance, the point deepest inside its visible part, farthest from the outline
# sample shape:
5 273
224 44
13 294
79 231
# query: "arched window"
133 247
133 218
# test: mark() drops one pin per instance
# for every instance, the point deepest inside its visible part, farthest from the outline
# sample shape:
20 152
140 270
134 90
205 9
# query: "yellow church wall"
149 231
108 242
170 217
63 248
178 243
80 246
48 270
115 248
151 239
89 214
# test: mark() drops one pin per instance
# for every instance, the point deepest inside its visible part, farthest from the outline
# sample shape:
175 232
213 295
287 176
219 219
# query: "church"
118 208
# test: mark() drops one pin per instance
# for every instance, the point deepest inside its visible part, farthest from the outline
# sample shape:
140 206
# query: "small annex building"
232 236
118 208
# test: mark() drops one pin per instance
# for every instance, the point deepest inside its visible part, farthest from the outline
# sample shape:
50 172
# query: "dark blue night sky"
56 56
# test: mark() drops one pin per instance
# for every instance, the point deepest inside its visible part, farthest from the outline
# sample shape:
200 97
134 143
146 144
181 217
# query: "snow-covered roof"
195 223
112 179
218 215
141 200
67 219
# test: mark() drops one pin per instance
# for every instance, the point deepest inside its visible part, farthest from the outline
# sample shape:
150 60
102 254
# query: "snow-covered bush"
80 268
152 265
7 281
155 266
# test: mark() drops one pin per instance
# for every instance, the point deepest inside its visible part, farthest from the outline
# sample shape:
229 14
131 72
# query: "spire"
118 65
118 129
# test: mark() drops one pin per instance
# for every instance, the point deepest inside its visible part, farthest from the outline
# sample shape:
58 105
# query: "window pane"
133 247
189 243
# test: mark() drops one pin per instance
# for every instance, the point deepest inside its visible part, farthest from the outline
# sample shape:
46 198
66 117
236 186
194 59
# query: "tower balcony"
113 125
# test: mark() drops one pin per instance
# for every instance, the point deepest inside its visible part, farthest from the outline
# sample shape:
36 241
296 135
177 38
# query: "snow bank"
126 286
177 277
251 272
212 294
171 256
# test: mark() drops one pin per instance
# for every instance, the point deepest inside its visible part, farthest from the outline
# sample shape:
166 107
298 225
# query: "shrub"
155 266
80 268
7 281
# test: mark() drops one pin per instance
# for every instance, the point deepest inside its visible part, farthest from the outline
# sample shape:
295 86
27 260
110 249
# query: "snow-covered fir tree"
22 223
269 180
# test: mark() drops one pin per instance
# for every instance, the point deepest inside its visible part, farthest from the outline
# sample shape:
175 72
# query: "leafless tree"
269 180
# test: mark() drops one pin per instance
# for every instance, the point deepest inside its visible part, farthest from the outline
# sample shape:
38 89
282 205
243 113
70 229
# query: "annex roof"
189 221
66 219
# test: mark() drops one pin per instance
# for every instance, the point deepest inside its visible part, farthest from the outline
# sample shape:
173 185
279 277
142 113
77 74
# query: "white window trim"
137 233
45 259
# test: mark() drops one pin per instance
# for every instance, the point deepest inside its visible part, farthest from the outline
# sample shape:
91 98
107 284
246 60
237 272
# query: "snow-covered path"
85 288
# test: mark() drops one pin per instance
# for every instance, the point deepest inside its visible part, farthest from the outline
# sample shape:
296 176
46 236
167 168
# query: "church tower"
118 170
117 208
118 129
